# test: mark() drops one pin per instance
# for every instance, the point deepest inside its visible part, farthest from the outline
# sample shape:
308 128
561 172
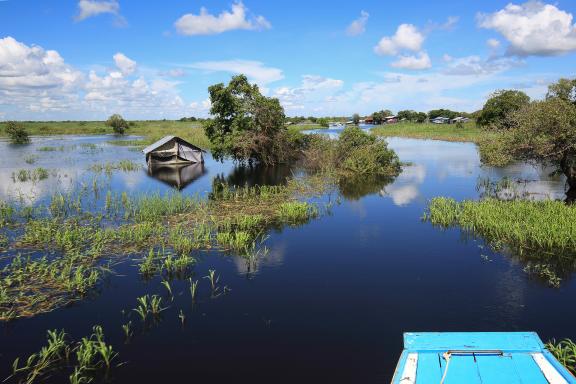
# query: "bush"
17 133
118 124
372 159
499 106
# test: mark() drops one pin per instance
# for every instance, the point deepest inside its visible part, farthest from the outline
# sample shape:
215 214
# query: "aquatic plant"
30 159
166 285
193 288
33 175
296 212
182 317
122 165
127 328
565 352
541 232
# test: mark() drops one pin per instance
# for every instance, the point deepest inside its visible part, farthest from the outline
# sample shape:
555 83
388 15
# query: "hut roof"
166 139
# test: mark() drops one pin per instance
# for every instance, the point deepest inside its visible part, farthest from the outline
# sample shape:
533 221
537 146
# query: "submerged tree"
499 106
118 124
247 125
17 133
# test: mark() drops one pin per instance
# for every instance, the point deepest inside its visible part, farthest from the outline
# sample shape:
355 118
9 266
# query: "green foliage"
565 352
118 124
17 133
379 116
247 126
412 116
500 104
361 153
564 89
356 118
323 122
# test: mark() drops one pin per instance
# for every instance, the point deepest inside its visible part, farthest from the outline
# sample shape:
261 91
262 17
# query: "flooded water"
329 302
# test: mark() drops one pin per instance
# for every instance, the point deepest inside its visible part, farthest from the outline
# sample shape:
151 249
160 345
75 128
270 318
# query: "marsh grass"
122 165
469 132
565 352
33 175
539 231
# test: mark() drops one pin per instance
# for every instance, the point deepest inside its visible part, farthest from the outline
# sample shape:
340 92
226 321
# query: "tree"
17 133
247 125
323 122
564 89
545 131
421 117
499 105
356 119
118 124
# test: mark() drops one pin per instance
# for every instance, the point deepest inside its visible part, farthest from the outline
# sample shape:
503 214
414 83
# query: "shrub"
118 124
17 133
499 106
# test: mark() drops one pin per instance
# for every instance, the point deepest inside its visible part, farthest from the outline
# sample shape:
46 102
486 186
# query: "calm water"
330 301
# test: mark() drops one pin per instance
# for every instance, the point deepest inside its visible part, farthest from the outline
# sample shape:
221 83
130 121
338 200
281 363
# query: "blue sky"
88 59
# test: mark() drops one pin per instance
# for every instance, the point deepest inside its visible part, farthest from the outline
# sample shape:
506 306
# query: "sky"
88 59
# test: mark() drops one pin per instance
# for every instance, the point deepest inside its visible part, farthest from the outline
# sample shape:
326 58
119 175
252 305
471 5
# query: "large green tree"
498 106
118 124
246 125
564 89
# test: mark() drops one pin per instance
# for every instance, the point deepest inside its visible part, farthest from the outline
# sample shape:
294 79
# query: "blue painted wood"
514 365
527 371
462 369
442 341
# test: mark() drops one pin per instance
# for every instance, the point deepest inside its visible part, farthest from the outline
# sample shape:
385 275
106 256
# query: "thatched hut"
173 150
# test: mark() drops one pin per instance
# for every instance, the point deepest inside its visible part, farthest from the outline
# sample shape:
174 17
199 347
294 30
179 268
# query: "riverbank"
469 132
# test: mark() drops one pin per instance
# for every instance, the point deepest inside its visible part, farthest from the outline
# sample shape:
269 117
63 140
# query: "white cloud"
420 61
254 70
124 64
208 24
358 26
89 8
533 28
313 90
475 65
407 37
493 43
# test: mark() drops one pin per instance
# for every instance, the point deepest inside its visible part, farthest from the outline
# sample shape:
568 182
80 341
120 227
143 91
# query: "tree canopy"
17 133
564 89
118 124
500 104
247 126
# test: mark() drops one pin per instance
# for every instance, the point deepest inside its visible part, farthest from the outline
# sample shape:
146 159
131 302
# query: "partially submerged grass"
565 352
537 230
167 228
33 175
122 165
469 132
86 359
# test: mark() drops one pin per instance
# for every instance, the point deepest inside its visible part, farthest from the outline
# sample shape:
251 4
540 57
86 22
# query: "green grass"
565 352
150 130
543 228
448 132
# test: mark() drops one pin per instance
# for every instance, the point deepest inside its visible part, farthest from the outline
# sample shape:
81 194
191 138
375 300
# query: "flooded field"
330 298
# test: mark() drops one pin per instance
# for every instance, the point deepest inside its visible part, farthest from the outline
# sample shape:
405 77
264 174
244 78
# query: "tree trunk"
568 166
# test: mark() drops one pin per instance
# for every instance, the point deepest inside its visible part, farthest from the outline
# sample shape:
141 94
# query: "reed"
296 212
193 289
565 352
33 175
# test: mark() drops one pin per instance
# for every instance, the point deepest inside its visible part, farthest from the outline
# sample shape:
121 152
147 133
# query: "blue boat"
478 357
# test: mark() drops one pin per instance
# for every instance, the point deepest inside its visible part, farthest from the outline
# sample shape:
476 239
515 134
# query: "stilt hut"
173 150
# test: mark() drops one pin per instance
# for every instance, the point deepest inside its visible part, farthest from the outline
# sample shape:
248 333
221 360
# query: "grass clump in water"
33 175
122 165
565 352
296 212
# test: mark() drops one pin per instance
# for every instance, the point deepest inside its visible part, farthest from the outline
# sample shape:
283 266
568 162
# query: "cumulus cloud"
420 61
407 37
38 83
254 70
533 28
90 8
358 26
124 64
207 24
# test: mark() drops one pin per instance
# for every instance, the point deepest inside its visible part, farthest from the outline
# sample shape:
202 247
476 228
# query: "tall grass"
448 132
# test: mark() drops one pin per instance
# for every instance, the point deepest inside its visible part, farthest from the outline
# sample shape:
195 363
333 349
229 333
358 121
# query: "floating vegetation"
31 159
86 358
122 165
51 149
565 352
33 175
296 212
544 272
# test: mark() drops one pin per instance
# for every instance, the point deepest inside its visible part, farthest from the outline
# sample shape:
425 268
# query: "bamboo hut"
173 150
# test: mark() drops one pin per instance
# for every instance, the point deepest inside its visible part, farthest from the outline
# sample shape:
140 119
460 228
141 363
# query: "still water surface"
330 301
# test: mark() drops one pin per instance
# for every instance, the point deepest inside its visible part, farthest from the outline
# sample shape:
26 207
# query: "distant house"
440 120
460 119
390 119
369 120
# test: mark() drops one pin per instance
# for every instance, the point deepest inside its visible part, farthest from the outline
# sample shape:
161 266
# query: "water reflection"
256 174
178 176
